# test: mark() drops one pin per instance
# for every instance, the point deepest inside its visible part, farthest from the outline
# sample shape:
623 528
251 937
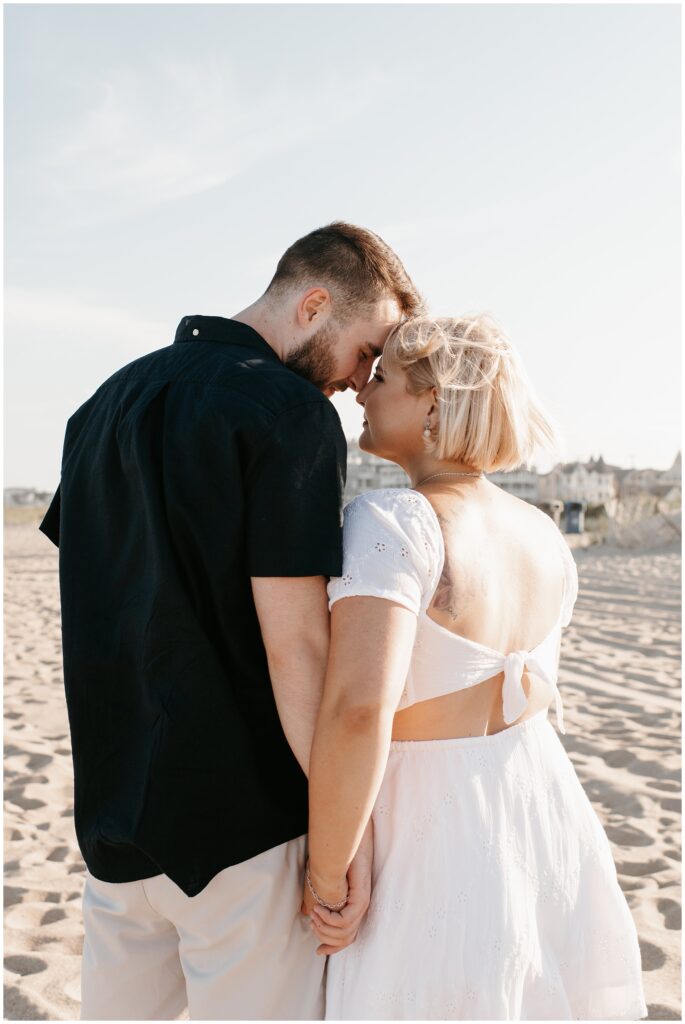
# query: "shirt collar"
221 329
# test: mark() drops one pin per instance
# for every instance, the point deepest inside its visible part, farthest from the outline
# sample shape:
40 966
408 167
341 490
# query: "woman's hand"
338 928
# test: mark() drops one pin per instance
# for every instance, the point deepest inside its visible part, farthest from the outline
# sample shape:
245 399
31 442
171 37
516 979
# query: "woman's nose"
361 399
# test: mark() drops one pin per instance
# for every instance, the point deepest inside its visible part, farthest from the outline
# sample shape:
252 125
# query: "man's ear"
313 306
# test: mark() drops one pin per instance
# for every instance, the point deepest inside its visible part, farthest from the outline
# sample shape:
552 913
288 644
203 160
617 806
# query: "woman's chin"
365 441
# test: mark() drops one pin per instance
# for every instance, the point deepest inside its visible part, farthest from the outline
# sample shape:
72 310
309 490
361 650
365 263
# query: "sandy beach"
621 688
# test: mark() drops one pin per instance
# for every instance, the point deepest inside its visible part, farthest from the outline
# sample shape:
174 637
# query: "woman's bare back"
501 586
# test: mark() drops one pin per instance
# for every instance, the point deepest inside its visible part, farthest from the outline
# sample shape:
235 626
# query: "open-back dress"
495 894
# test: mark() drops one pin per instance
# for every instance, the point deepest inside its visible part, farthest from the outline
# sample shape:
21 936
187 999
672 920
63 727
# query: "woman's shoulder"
407 508
397 514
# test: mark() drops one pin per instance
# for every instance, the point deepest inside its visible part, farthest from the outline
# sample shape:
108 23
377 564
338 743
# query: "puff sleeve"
392 549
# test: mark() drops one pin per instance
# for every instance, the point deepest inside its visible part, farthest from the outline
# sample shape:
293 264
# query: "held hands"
337 929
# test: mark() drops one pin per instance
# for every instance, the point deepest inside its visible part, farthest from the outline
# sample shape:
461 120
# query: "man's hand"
338 928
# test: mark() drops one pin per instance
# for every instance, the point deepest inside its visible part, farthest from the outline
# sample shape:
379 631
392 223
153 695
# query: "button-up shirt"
187 472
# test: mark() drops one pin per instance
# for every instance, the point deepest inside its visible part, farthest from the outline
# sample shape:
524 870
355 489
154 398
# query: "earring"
427 429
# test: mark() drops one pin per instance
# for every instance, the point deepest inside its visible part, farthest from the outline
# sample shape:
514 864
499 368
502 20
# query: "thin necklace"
434 475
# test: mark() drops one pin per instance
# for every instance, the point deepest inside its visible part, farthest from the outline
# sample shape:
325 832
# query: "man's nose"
359 379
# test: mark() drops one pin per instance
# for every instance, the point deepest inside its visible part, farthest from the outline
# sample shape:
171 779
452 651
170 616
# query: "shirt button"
195 331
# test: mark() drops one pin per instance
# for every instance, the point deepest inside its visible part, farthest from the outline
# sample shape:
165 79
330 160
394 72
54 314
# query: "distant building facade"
523 483
593 482
366 472
17 497
653 481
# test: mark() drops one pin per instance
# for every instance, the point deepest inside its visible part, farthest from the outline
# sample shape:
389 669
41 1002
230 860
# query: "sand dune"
620 680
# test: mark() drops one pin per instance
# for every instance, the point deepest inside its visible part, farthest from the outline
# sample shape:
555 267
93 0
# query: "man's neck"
261 319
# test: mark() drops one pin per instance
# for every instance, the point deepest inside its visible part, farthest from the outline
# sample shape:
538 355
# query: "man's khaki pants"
239 950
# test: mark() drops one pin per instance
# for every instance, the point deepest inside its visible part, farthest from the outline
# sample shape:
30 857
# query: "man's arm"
295 625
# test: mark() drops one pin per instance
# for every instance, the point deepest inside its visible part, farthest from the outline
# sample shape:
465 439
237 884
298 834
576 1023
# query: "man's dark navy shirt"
187 472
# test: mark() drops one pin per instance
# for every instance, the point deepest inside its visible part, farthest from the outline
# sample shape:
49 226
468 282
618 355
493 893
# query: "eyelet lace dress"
495 894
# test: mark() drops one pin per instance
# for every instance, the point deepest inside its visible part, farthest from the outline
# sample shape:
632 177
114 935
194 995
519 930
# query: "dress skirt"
495 894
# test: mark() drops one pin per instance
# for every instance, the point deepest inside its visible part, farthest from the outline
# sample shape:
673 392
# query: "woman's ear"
435 407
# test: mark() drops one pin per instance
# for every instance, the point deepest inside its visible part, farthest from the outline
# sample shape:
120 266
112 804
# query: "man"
198 518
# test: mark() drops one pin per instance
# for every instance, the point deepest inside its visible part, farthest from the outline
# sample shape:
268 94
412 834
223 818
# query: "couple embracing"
314 771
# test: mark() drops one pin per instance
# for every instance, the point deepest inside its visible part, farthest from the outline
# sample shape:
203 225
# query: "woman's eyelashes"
378 376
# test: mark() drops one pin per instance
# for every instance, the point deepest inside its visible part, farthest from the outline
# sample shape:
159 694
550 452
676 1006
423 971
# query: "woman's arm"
371 644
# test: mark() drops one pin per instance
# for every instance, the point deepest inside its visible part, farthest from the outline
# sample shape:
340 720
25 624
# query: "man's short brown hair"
356 266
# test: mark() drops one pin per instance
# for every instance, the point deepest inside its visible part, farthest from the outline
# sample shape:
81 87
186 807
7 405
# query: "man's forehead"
385 310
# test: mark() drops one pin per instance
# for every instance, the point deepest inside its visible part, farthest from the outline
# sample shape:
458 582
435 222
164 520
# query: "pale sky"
522 160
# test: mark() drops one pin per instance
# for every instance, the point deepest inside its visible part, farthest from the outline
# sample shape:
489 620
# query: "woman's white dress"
495 895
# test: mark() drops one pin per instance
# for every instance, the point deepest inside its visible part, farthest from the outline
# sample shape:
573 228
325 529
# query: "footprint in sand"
618 758
672 914
654 768
628 835
652 957
59 853
13 894
53 915
25 802
18 1007
665 784
657 1011
646 867
38 761
25 965
614 799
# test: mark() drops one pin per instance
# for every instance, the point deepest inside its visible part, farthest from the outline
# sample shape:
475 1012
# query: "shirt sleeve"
392 549
294 495
50 523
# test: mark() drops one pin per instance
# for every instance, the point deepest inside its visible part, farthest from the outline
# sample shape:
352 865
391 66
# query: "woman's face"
393 419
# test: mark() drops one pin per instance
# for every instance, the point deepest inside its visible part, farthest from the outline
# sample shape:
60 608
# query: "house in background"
523 483
366 472
593 482
25 497
653 481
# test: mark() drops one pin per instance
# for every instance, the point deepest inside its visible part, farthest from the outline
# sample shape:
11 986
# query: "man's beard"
315 359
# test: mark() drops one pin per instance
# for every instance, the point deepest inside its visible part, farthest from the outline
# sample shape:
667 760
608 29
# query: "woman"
494 892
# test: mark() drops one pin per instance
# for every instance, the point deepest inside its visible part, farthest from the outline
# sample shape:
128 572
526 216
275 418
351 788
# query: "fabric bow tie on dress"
514 700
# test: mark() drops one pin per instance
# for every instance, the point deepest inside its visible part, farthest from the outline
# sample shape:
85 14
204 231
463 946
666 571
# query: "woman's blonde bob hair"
490 417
